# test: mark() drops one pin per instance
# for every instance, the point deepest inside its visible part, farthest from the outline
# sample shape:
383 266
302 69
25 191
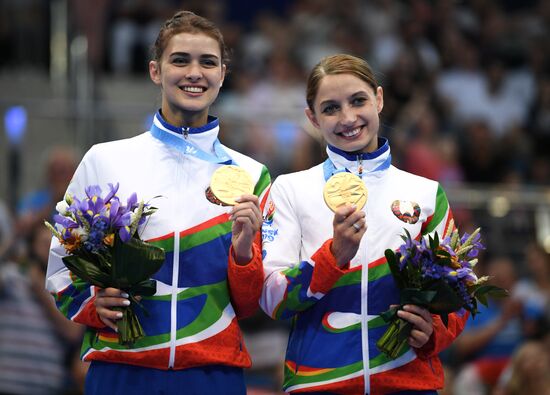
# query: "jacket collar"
363 162
202 137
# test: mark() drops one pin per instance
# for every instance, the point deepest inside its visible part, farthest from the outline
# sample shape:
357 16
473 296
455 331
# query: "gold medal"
345 188
229 182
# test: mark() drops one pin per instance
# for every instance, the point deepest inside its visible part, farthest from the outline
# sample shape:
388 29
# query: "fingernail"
126 302
124 295
119 315
238 199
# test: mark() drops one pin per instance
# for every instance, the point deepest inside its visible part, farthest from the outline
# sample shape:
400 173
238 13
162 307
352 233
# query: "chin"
353 146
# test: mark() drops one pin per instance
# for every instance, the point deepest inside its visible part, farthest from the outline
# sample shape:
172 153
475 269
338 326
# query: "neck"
189 119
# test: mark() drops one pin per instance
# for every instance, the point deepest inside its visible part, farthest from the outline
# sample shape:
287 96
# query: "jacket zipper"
175 276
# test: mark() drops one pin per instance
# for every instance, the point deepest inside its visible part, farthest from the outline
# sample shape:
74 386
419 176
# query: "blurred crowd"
466 102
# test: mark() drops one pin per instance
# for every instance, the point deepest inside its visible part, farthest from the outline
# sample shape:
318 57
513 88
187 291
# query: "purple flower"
132 203
92 222
65 222
113 189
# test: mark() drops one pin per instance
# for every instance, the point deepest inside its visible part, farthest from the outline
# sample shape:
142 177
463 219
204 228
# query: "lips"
193 89
350 133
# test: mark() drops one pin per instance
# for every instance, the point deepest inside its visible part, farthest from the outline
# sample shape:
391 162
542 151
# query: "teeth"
193 89
351 133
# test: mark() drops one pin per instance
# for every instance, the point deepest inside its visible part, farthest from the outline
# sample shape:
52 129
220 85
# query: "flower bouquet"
104 249
437 275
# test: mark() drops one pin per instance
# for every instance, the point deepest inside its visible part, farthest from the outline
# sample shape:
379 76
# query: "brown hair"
338 64
188 22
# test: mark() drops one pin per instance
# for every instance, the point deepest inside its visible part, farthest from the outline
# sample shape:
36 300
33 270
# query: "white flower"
80 231
62 207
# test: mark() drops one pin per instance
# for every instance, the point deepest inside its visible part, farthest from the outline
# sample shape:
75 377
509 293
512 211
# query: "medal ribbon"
329 169
188 148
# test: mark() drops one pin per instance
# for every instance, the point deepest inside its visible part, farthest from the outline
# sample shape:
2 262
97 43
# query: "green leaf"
398 277
484 291
145 288
134 262
87 271
446 300
434 242
417 296
390 314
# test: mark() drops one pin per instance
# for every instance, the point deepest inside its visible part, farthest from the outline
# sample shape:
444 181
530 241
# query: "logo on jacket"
268 232
268 217
212 198
406 211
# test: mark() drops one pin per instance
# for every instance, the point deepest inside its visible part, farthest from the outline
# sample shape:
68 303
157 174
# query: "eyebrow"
330 101
202 56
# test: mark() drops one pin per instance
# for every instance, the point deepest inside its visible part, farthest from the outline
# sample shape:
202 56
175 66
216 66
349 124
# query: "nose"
194 72
347 116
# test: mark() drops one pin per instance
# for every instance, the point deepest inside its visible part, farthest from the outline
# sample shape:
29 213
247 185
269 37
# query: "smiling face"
190 73
345 110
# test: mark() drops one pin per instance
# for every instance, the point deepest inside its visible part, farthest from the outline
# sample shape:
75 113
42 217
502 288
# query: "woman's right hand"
349 226
105 300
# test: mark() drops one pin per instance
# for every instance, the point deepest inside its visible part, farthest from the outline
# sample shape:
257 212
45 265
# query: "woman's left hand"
422 320
247 221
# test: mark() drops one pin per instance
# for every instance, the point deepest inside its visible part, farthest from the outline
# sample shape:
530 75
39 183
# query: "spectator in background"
534 288
528 371
480 154
39 205
35 342
491 337
6 229
134 29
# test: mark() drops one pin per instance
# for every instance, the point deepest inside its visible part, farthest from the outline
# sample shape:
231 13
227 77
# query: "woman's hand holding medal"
233 186
345 194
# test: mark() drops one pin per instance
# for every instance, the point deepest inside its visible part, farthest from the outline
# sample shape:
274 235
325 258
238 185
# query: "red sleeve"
443 336
326 272
245 283
88 316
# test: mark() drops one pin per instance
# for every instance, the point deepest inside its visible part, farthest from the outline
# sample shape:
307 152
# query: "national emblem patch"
406 211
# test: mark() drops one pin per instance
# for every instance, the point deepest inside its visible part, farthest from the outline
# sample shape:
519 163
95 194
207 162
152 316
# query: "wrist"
339 262
242 259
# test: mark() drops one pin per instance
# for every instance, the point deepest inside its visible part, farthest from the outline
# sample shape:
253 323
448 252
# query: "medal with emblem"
345 188
229 182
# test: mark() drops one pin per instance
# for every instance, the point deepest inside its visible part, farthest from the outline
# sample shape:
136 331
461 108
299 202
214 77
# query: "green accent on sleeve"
292 302
441 207
263 182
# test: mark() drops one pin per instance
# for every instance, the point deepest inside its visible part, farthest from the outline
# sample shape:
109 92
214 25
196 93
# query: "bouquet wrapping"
437 275
101 238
